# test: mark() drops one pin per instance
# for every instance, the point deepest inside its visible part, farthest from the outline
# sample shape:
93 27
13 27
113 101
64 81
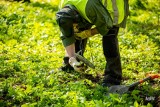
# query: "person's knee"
65 21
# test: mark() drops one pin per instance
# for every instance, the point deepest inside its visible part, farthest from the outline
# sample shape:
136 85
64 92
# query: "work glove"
83 35
78 66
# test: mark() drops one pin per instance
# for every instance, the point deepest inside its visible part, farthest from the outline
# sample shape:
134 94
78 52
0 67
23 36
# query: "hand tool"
84 60
121 89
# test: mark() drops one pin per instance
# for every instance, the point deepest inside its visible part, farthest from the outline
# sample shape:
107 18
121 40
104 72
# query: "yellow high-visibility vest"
116 10
114 7
79 4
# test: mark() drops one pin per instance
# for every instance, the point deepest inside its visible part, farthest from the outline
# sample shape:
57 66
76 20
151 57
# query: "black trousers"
113 70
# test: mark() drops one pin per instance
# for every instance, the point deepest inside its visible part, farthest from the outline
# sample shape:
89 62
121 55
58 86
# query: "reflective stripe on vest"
116 9
105 3
116 13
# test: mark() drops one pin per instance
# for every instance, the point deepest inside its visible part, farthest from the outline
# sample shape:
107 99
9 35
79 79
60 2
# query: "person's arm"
70 50
86 33
78 66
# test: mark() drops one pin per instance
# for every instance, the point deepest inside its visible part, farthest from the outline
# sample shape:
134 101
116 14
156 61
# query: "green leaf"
149 105
136 104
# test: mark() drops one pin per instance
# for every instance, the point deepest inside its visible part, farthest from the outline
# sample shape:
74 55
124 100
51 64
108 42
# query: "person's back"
118 9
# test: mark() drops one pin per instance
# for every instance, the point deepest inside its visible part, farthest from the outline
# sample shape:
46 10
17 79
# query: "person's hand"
83 35
78 66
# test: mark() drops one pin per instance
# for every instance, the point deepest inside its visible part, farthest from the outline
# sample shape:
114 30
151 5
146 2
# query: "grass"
31 51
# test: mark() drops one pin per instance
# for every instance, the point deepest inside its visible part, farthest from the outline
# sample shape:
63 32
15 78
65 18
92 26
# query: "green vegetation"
31 51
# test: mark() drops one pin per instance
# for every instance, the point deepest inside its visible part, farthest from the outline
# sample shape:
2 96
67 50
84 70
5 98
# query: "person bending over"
76 19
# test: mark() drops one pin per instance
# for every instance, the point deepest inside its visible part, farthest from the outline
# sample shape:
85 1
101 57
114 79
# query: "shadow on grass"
82 75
